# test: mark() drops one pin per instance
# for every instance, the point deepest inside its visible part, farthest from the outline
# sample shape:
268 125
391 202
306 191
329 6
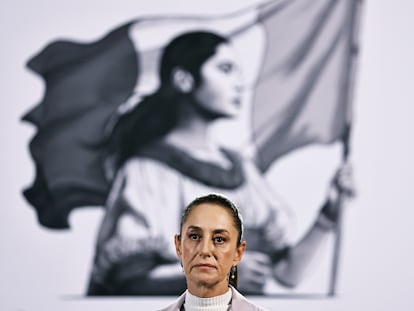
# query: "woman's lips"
205 266
236 101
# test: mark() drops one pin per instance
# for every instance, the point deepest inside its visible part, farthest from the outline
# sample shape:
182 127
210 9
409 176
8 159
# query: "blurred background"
47 270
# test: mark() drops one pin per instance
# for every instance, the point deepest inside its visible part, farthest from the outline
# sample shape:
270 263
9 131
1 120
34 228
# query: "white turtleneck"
217 303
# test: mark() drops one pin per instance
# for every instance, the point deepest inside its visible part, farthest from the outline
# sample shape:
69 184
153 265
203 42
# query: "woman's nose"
206 247
239 84
239 87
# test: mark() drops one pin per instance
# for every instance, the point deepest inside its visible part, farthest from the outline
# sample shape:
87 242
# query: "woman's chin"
206 280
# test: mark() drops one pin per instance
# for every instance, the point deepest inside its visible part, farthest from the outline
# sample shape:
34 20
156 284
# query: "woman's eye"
194 236
226 67
219 240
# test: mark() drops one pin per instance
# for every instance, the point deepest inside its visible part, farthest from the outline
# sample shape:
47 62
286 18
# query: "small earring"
233 272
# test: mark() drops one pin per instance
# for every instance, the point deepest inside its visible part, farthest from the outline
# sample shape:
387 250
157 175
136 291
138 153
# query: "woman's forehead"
209 215
225 52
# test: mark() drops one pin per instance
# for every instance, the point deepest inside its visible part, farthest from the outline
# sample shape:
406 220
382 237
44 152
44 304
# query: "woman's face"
208 248
220 90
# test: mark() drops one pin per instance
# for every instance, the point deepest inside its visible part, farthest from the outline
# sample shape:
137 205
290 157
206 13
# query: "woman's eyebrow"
221 231
227 63
194 228
215 231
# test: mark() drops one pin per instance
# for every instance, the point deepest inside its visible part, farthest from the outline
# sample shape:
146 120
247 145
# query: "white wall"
46 270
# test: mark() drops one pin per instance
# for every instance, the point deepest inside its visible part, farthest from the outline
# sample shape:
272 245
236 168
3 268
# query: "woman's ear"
239 253
182 80
177 242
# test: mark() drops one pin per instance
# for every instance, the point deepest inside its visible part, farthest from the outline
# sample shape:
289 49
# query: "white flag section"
302 91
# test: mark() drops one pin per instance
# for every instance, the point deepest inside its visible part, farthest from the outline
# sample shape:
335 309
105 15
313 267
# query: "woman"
210 246
163 157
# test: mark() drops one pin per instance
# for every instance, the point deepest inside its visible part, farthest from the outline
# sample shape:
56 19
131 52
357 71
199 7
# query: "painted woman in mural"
163 156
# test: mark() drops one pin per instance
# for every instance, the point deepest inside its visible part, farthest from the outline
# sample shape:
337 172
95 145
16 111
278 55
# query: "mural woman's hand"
342 187
343 181
130 243
253 271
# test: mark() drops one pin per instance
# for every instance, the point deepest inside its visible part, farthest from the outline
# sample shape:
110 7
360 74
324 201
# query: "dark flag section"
300 83
84 85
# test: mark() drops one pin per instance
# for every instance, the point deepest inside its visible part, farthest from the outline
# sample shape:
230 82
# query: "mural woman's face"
220 91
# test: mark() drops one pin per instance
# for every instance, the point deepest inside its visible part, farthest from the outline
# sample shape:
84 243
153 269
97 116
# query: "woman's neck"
191 134
215 303
202 291
191 120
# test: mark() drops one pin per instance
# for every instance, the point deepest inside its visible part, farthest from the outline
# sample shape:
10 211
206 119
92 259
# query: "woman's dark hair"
234 211
156 114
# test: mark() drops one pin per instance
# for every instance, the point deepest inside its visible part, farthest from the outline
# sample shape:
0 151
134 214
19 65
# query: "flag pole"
338 229
345 139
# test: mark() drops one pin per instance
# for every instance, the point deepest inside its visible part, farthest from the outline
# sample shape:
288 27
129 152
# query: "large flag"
297 55
303 88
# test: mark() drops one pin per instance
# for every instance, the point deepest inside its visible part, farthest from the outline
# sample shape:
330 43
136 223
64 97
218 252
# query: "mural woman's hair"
156 115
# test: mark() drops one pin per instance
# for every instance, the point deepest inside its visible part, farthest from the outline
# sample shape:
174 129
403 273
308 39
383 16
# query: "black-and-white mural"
127 122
